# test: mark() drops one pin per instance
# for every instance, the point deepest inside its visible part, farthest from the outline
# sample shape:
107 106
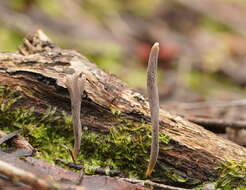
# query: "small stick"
151 183
154 106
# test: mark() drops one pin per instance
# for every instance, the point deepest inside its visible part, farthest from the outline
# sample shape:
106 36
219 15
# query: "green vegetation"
232 176
46 132
124 148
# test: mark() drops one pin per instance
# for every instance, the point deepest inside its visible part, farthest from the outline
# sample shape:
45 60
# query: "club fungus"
75 86
154 106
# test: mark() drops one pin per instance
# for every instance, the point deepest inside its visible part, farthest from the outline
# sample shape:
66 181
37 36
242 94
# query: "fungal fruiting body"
154 106
75 86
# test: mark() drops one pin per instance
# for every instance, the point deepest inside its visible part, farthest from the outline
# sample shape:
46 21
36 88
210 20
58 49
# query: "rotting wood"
36 174
26 177
19 141
38 69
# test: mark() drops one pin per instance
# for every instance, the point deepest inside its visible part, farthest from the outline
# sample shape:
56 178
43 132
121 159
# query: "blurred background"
202 45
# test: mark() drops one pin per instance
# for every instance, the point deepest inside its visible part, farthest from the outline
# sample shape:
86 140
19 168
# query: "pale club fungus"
75 86
154 106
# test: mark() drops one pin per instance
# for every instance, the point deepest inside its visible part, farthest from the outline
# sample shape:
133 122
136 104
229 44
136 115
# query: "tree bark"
38 69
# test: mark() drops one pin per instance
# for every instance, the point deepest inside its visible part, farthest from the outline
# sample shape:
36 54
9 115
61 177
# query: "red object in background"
167 53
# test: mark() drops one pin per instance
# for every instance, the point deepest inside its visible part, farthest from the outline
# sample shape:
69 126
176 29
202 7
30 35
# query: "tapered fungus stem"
75 86
154 106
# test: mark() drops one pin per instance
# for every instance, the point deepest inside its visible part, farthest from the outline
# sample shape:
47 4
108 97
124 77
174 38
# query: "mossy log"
37 70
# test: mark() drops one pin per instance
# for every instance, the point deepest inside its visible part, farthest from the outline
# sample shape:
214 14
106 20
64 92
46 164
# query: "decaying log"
38 69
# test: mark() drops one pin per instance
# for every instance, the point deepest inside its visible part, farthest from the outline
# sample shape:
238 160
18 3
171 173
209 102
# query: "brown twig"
154 106
151 183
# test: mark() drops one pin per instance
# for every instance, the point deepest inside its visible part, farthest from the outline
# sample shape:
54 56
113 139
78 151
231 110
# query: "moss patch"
232 176
47 132
125 147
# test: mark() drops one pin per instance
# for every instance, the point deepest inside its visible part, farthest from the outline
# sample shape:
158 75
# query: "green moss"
46 132
168 174
232 176
124 148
